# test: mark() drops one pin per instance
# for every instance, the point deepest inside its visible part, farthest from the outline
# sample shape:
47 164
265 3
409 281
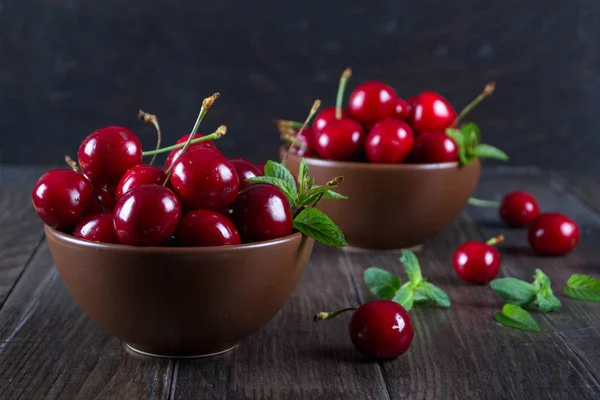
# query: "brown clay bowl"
180 302
392 206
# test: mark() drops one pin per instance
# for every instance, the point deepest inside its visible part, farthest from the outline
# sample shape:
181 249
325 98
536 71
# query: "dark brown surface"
392 206
50 349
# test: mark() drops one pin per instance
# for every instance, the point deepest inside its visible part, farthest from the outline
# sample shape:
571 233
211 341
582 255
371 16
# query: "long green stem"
487 92
329 315
340 93
312 112
483 203
145 117
212 136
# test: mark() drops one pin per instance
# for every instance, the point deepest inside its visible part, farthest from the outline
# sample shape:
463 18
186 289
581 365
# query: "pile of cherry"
200 198
379 126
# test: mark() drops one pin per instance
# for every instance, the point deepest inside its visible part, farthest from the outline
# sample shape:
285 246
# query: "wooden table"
50 349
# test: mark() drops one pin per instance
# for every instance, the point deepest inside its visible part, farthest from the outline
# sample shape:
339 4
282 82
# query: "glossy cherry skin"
207 228
431 112
262 212
61 197
102 198
97 228
142 174
402 110
305 143
208 144
476 262
553 234
518 209
372 101
381 330
389 141
434 147
244 169
204 179
106 154
340 140
325 117
261 168
147 216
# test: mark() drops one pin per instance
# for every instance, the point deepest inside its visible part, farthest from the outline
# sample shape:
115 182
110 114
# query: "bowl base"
354 249
145 353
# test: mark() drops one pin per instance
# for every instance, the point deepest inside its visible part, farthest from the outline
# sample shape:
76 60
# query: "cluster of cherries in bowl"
200 198
379 126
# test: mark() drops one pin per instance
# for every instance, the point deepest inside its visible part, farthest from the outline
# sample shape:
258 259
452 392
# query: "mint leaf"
514 291
303 178
583 287
419 298
313 194
433 293
458 137
277 170
471 136
315 224
487 151
405 296
289 190
382 283
330 194
545 298
411 266
516 317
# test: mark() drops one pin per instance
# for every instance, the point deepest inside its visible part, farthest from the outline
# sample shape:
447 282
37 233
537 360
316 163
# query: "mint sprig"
388 286
516 317
314 223
521 293
583 287
468 140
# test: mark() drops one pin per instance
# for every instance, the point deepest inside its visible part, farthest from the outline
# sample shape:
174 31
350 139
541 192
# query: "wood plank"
21 230
583 184
293 357
51 350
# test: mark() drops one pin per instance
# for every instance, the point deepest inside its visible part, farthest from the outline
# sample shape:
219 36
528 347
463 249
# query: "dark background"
68 67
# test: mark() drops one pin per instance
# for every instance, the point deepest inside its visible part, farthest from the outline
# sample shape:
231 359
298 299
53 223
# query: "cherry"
553 234
147 215
261 168
326 116
303 142
174 153
204 179
142 174
518 209
372 101
61 197
262 212
402 110
478 262
340 140
97 228
245 169
434 147
431 112
106 154
389 141
104 200
207 228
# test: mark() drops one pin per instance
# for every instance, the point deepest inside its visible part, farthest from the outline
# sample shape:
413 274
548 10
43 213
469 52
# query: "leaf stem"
340 93
312 112
145 117
483 203
495 240
487 92
322 316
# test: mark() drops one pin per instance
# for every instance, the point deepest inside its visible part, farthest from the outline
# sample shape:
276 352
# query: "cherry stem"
312 112
495 240
331 184
340 94
284 126
220 132
71 163
322 316
487 92
483 203
289 138
145 117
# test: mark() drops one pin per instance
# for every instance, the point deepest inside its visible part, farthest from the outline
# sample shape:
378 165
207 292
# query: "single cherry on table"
553 234
97 228
478 262
389 141
206 228
518 209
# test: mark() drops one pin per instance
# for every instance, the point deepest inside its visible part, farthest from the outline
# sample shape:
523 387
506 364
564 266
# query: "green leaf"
405 296
516 317
411 266
382 283
290 191
315 224
419 298
330 194
487 151
545 298
471 136
460 141
313 194
514 291
433 293
277 170
583 287
303 178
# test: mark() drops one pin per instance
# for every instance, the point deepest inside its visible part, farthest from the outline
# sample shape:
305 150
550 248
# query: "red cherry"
518 209
402 110
61 197
106 154
553 234
325 117
207 228
305 143
434 147
389 141
142 174
477 262
431 112
340 140
208 144
244 169
204 179
381 329
102 198
97 228
261 168
147 215
372 101
262 212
